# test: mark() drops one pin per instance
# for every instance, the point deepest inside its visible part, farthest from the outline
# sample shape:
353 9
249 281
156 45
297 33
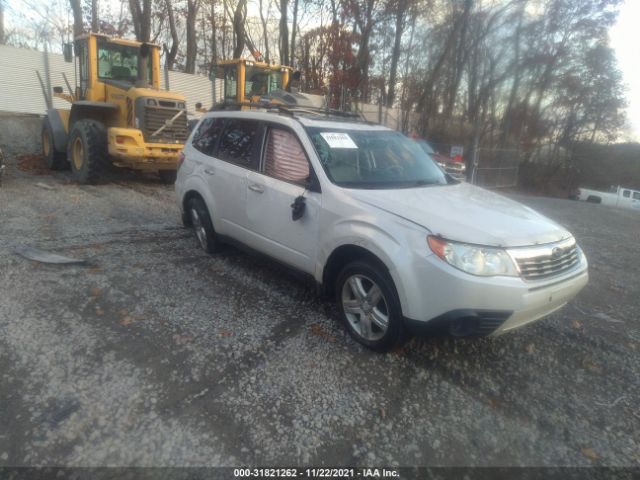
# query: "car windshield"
119 62
425 146
374 159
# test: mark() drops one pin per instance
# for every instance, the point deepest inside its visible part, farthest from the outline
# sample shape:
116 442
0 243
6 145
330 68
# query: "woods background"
533 77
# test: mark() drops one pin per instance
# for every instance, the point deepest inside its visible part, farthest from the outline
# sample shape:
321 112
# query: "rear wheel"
202 225
167 176
87 151
369 305
54 160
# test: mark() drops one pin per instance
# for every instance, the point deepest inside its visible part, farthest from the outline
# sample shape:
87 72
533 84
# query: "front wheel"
167 176
369 306
87 151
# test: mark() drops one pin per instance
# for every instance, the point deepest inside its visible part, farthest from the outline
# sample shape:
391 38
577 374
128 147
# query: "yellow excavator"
119 116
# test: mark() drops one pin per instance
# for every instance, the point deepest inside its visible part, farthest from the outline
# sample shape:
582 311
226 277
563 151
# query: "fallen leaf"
127 320
226 333
317 329
590 453
576 324
530 348
99 311
182 339
95 292
382 413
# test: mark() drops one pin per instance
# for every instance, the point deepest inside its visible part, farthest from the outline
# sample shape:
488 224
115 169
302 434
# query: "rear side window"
285 158
237 145
206 137
626 193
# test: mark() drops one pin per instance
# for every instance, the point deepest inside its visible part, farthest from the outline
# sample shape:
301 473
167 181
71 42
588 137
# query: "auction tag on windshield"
338 140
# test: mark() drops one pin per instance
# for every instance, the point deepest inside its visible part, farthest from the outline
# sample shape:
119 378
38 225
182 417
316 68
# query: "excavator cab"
247 81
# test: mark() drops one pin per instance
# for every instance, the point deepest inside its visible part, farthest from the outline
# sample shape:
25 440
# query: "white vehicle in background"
618 197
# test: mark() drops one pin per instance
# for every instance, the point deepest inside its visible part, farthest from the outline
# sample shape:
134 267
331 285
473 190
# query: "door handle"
209 171
254 187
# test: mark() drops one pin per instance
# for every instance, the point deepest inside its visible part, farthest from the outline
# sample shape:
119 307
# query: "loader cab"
248 81
102 62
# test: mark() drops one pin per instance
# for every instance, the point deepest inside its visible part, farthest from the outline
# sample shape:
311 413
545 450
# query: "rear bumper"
128 149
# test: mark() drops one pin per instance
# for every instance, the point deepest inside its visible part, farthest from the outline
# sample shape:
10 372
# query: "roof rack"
291 110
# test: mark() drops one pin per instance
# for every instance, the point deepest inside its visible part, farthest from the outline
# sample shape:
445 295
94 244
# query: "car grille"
547 261
156 117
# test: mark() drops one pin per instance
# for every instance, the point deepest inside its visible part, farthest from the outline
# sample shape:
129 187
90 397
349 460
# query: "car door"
284 176
235 156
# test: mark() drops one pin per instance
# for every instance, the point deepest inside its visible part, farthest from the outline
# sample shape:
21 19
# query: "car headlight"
473 259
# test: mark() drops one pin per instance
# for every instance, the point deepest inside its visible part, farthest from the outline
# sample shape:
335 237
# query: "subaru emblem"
556 252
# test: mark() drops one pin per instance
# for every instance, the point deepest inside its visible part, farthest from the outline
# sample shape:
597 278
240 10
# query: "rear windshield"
374 159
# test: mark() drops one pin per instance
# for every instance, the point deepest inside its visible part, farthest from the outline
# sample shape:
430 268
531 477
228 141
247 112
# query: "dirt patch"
33 164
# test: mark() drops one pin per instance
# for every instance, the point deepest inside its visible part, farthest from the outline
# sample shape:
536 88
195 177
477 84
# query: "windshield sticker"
338 140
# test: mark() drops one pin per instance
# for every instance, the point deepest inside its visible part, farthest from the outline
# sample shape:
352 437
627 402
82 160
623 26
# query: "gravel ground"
157 354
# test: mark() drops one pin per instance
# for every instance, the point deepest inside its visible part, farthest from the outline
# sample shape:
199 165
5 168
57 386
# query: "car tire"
55 160
202 225
369 305
87 152
167 176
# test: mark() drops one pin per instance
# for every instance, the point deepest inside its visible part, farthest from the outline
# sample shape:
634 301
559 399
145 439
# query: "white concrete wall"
20 91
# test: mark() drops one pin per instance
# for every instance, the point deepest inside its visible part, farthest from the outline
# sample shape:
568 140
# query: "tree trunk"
265 31
192 45
214 39
395 54
175 40
284 32
239 17
294 31
1 22
78 26
141 17
95 21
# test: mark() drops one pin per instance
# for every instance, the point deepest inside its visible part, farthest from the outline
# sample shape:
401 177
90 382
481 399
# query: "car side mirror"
312 183
67 52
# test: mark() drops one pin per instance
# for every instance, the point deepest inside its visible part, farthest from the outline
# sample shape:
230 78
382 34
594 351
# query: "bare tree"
192 41
95 20
1 22
141 19
294 31
78 23
284 32
264 19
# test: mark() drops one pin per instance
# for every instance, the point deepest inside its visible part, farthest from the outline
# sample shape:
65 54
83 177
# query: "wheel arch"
59 129
342 255
194 189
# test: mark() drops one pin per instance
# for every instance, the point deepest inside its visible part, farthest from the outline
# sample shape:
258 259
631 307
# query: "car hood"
467 213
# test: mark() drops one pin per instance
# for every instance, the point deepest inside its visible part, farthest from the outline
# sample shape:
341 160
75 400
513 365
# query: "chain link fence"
496 168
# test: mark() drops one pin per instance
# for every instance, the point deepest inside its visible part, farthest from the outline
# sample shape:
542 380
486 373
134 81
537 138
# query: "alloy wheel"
365 307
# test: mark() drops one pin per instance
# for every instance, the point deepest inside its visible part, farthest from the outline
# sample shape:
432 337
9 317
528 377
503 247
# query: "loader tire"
87 152
55 160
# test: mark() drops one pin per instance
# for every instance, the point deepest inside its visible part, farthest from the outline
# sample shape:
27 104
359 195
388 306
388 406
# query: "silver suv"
367 213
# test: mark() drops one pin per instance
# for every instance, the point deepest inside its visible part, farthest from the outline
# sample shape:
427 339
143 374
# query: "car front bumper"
441 295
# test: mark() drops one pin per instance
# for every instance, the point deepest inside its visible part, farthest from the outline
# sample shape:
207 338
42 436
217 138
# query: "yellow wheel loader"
119 116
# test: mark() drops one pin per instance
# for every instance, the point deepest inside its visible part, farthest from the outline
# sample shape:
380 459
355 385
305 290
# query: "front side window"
206 137
285 158
119 62
230 82
636 195
374 159
237 144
